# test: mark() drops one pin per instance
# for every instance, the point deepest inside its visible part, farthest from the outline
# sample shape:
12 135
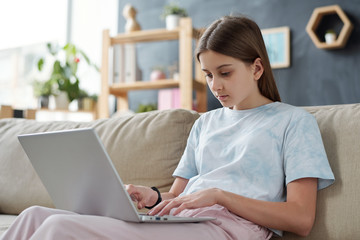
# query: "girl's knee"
34 210
56 220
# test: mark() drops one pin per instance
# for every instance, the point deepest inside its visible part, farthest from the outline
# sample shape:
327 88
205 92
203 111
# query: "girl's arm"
295 215
145 196
175 190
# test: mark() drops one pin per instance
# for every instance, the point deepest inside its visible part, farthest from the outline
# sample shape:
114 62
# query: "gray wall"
316 76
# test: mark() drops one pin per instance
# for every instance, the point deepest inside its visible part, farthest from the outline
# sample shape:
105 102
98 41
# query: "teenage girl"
255 164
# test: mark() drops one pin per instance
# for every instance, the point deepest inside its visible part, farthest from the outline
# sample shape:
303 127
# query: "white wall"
89 18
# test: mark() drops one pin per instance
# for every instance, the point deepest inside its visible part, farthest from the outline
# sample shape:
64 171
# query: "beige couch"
145 149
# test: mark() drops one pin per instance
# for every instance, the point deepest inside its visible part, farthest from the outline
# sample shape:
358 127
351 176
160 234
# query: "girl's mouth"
222 97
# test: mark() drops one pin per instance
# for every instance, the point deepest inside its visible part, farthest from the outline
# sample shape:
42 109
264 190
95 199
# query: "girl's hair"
240 38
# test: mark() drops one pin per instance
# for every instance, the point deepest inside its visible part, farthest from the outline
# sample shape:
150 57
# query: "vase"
172 21
157 75
86 104
44 101
62 101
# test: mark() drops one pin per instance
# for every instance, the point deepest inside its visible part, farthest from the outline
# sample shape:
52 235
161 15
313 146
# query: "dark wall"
316 76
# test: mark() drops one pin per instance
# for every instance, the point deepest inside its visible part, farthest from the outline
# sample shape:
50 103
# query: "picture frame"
277 42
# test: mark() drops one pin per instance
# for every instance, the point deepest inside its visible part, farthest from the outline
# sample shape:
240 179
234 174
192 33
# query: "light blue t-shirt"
254 153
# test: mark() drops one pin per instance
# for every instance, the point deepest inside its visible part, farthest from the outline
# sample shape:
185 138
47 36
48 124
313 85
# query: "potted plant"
63 76
172 13
43 91
330 36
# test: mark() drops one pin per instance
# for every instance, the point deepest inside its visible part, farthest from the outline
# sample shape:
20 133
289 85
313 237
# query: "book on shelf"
168 98
125 65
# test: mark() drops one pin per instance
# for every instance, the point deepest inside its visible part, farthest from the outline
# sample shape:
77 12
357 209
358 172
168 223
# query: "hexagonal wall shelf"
317 19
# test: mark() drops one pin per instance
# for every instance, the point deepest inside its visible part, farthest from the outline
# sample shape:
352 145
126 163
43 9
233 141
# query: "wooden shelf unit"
185 33
315 21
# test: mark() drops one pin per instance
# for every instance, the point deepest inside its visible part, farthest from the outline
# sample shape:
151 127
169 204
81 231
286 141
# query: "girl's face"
233 82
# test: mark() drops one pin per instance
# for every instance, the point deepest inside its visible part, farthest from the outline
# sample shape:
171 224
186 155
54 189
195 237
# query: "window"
30 25
34 23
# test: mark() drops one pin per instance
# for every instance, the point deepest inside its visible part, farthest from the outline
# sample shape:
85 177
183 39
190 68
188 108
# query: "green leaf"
52 49
85 57
57 69
173 8
40 64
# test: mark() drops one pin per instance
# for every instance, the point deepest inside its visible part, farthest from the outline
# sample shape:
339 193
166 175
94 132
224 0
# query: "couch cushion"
5 222
145 149
338 208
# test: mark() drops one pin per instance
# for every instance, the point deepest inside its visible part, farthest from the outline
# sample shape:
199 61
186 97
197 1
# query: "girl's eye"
209 75
225 74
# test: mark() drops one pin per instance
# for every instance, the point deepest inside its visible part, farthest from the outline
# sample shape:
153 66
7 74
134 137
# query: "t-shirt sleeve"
187 164
304 153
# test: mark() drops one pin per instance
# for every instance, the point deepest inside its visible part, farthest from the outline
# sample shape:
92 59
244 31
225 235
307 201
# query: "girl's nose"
216 84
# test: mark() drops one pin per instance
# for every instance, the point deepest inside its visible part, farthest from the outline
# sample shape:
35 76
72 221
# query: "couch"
146 148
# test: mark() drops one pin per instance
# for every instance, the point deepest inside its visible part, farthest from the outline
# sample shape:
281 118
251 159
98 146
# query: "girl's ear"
258 68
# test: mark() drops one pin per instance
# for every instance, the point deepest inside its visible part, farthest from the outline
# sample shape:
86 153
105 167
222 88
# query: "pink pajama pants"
45 223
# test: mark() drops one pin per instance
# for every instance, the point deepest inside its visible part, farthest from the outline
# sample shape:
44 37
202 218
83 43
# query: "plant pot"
172 21
62 101
330 38
86 104
44 101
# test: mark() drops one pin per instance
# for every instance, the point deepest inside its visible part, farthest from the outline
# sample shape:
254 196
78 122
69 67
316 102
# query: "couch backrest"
145 149
338 210
152 143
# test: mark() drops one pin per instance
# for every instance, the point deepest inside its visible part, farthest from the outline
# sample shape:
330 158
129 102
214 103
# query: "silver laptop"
79 176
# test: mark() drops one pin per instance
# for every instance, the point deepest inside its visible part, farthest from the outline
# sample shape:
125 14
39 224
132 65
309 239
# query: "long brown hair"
240 38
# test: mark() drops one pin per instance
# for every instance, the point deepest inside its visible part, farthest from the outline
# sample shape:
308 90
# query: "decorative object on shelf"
63 79
317 20
277 41
86 102
6 111
174 71
62 101
157 73
44 101
129 13
330 36
172 14
43 91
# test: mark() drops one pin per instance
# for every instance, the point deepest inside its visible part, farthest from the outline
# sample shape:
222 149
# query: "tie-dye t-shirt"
254 153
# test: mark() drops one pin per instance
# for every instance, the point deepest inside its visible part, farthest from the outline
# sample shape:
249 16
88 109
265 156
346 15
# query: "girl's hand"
203 198
144 196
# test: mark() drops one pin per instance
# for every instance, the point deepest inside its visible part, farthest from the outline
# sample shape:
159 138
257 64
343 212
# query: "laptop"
80 177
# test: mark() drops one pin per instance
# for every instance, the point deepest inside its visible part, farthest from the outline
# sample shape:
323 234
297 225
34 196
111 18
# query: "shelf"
145 36
315 22
124 87
150 36
64 111
119 88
